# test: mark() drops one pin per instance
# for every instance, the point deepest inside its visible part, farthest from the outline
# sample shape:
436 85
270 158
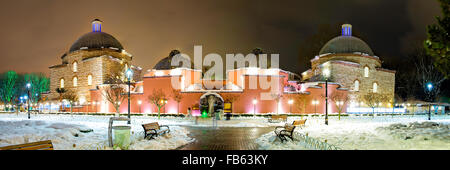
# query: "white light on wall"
175 72
159 73
290 101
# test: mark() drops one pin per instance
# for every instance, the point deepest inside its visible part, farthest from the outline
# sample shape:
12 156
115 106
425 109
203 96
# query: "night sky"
35 33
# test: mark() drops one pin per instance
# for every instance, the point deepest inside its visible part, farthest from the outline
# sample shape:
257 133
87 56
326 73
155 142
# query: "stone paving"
225 138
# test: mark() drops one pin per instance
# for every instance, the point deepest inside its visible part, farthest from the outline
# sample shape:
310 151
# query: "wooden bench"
42 145
154 129
285 131
299 123
277 118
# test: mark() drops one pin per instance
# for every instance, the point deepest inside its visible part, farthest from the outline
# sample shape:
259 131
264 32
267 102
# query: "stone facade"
345 69
97 63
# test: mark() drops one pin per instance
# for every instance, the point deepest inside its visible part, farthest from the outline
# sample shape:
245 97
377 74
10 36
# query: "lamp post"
28 88
326 73
290 105
430 88
254 106
129 75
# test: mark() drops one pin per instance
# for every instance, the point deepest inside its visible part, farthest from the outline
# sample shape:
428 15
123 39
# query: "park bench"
277 118
299 123
154 129
285 131
42 145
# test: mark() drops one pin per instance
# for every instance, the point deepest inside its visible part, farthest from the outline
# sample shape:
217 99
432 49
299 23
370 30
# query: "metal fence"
312 143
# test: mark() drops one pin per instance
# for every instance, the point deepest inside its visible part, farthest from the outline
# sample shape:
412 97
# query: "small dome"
96 40
346 44
166 63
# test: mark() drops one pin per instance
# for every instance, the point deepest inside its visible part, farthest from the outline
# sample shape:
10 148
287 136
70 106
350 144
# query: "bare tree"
114 94
340 99
300 103
60 91
277 97
114 88
177 96
71 97
373 100
158 98
428 73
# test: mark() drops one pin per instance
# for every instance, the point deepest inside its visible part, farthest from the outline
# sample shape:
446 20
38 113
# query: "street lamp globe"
326 72
429 86
129 73
28 85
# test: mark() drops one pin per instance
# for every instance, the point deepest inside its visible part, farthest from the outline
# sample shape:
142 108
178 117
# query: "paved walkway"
225 138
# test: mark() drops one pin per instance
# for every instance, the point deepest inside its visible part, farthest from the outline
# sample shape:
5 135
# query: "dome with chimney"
166 63
96 39
346 43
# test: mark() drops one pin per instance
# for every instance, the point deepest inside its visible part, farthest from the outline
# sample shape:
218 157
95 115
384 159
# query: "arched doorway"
210 103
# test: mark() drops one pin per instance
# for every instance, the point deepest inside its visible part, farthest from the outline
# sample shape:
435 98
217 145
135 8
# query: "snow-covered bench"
154 129
277 118
285 131
42 145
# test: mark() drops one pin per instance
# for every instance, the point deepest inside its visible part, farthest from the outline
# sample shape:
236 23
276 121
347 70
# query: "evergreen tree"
438 42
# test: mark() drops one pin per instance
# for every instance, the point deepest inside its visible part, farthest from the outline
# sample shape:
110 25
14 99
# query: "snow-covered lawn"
367 133
66 132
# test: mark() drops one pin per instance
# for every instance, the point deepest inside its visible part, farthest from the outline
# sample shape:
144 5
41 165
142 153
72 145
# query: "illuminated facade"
353 65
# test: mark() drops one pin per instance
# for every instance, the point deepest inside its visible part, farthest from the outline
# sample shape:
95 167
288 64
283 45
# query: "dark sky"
35 33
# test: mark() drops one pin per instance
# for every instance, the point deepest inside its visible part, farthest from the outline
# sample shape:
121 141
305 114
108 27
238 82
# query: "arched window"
75 82
366 71
375 87
356 85
89 80
75 66
61 83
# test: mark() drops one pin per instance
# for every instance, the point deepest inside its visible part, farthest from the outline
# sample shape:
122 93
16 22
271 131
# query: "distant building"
353 64
87 63
354 69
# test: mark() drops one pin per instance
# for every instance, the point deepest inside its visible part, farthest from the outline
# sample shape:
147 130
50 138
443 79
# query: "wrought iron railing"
314 144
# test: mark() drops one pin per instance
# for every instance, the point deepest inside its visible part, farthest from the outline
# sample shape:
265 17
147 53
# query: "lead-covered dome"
166 63
346 43
96 40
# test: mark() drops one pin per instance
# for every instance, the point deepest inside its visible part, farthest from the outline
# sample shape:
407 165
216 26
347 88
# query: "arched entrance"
210 103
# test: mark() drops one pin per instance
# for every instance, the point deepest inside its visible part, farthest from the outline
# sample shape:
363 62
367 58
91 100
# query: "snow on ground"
69 132
367 133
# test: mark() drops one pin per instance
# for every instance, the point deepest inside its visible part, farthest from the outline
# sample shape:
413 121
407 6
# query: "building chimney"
346 30
96 25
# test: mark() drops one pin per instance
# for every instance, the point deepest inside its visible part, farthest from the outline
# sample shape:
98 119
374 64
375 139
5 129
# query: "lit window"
356 85
375 87
89 80
61 83
75 67
75 82
366 71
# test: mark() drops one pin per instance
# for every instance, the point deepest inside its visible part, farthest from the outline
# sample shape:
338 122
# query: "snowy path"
225 138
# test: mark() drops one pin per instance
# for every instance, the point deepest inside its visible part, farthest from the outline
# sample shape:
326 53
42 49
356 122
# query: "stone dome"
96 40
166 63
346 44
